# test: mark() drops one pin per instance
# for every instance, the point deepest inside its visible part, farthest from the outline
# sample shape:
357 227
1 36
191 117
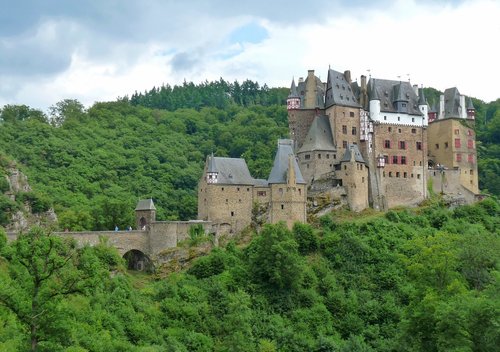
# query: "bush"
37 202
4 184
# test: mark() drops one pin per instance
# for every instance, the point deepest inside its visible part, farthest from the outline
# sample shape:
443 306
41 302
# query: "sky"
100 50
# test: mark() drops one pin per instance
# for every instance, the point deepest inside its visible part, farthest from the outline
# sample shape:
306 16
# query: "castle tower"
354 175
293 101
422 103
288 188
374 101
400 99
145 214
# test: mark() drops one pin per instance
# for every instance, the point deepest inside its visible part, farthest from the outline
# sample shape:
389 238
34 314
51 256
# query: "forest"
421 279
92 165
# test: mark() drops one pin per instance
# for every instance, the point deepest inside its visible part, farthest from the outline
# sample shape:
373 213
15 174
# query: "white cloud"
438 45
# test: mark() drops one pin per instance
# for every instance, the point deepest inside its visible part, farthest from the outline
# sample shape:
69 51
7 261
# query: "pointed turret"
422 103
374 100
293 100
211 170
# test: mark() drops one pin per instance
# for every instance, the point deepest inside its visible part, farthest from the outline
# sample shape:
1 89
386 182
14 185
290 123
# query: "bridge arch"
138 260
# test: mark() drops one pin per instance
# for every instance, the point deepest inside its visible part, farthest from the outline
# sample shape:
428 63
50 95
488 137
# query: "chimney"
363 83
310 73
301 79
347 75
415 89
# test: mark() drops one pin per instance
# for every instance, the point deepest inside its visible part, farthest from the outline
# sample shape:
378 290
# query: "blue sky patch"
249 33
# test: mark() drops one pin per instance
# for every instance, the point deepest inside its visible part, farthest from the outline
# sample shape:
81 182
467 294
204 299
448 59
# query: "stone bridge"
140 248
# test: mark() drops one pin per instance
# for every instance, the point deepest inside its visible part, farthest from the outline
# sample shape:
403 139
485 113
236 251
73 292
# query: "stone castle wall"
339 117
299 122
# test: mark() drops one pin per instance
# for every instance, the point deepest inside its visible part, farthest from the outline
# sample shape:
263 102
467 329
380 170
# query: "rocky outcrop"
23 218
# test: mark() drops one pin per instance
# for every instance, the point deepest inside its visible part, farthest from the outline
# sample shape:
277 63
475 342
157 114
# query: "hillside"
94 165
410 280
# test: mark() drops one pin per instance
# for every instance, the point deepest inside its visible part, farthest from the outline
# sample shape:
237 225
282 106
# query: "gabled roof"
145 204
390 91
232 171
279 171
339 91
353 149
319 136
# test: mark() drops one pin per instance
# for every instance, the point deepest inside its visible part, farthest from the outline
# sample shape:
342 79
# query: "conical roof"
353 149
293 90
470 106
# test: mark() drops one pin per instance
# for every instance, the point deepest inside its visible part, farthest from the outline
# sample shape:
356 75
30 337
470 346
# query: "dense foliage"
94 165
412 280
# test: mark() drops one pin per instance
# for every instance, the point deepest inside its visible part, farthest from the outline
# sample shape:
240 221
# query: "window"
412 119
445 145
403 105
387 144
335 156
399 130
457 131
222 188
413 130
344 129
470 144
319 156
403 160
402 145
390 173
248 189
419 145
397 174
405 175
363 179
457 143
418 176
328 156
351 114
389 129
470 159
399 118
344 144
307 156
471 172
237 189
300 191
459 157
282 206
386 159
232 213
394 159
385 118
353 131
280 191
437 145
469 132
261 193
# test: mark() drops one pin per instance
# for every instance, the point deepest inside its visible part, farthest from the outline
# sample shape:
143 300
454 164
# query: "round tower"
293 100
374 102
422 103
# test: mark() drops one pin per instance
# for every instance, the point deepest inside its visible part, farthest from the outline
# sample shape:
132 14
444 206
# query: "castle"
373 144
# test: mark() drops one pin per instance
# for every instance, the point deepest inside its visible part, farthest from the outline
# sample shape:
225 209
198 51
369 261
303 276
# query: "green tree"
42 269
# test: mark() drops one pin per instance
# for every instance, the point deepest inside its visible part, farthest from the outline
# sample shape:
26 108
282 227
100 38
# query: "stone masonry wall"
339 117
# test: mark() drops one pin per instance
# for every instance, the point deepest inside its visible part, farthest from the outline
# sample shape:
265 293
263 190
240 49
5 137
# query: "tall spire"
421 97
293 90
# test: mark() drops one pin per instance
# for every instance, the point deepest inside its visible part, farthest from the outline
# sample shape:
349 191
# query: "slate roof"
470 106
452 103
293 90
231 171
145 204
261 182
421 97
319 136
390 91
353 148
339 91
279 171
